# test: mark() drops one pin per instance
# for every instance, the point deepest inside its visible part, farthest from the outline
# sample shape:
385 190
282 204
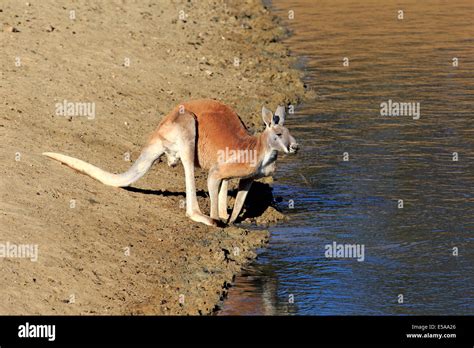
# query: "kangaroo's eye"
278 134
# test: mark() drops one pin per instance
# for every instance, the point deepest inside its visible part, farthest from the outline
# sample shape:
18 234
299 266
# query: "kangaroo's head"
278 137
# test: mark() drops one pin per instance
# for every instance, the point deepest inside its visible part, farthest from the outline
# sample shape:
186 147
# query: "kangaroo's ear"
279 117
267 117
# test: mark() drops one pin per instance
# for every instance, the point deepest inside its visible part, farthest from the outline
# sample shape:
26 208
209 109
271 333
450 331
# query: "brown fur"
218 127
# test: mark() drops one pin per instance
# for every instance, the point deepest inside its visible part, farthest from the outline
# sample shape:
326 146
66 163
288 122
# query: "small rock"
209 72
50 28
11 29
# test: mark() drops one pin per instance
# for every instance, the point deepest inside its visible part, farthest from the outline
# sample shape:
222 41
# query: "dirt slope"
104 250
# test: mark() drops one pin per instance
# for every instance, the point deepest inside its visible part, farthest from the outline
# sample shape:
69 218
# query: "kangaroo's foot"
223 215
200 217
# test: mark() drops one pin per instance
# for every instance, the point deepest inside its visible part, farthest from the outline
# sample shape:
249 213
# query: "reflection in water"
408 251
257 294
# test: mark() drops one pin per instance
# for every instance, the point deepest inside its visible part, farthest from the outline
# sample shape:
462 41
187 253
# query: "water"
408 251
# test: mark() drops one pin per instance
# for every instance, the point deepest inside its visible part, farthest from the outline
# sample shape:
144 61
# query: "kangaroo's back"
218 127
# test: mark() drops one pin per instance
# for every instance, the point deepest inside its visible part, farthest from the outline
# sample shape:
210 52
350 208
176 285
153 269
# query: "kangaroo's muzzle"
293 148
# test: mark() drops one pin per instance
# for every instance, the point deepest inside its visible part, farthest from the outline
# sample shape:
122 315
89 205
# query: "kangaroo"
210 135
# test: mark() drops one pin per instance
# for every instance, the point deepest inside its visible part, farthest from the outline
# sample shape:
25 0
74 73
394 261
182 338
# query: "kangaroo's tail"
136 171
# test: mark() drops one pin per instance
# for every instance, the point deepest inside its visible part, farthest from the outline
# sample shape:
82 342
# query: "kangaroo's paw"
232 219
200 217
224 216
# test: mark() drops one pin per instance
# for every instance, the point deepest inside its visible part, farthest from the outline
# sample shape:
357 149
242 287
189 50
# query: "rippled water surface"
408 251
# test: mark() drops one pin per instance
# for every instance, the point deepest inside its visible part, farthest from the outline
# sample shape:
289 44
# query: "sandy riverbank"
114 251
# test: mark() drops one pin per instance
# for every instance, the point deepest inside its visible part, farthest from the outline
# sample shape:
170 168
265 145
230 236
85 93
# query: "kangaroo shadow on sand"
165 193
259 198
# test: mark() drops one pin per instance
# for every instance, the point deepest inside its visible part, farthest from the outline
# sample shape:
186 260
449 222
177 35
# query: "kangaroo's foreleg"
223 215
213 181
244 187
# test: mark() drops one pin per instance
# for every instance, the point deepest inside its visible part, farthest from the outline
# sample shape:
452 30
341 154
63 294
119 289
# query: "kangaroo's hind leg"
185 146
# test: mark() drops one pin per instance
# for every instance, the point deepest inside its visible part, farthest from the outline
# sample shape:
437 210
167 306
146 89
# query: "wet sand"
104 250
